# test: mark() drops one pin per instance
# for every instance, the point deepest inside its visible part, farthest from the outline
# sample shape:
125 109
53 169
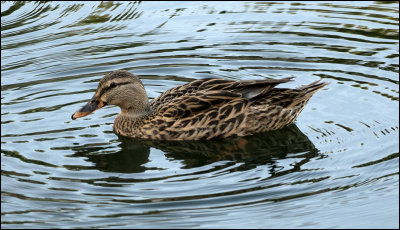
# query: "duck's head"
120 88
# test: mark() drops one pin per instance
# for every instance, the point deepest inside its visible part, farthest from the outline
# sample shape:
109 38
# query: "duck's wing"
249 89
204 114
200 103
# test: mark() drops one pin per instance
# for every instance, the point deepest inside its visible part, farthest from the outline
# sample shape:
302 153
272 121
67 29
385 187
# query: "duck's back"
210 108
246 88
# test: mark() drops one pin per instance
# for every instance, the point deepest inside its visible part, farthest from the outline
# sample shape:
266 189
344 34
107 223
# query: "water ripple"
336 167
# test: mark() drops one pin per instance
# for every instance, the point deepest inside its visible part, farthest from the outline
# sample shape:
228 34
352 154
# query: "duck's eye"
113 84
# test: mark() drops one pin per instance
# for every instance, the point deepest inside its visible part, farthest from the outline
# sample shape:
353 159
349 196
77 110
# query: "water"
336 167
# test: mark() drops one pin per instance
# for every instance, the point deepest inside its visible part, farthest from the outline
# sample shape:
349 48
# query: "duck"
202 109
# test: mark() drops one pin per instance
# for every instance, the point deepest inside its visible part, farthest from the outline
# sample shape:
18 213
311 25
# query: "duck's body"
201 109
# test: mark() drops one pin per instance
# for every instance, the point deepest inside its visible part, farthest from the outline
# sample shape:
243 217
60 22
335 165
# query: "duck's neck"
128 122
135 113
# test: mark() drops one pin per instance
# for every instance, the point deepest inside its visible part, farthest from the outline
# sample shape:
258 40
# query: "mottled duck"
201 109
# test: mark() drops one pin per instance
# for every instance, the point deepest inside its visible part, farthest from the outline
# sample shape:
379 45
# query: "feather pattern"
209 108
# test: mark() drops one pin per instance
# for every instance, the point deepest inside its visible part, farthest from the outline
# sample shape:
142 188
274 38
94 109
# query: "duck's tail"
309 90
303 93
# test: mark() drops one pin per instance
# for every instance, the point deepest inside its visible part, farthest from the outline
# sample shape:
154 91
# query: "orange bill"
89 108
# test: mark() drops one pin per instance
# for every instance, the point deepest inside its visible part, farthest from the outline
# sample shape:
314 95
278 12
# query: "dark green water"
336 167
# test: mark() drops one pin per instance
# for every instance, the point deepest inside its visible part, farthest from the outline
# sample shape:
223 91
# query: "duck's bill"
88 109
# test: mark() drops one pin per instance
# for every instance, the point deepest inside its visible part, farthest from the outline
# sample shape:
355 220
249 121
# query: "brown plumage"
202 109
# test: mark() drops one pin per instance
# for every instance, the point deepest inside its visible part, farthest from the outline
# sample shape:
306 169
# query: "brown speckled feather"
210 108
247 88
201 109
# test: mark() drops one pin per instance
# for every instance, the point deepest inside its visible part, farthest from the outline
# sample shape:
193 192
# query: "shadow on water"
259 149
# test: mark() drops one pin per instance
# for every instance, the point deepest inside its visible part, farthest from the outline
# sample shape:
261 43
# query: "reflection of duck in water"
201 109
258 149
252 151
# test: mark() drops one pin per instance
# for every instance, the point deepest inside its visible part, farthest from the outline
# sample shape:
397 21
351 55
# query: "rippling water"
336 167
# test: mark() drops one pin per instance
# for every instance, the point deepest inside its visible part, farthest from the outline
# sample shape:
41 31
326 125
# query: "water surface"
336 167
